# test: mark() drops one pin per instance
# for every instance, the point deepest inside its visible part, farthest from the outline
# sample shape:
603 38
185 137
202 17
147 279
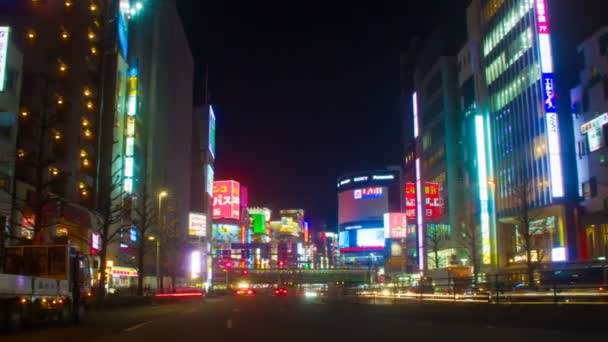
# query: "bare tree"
435 240
523 195
109 223
174 242
143 223
470 238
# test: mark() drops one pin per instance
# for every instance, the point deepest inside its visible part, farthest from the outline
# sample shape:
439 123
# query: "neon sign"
483 190
433 204
4 32
420 233
129 162
594 131
367 193
226 200
211 132
410 200
415 111
395 225
546 65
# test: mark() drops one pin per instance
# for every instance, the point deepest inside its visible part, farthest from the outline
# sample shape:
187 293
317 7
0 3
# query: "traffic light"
281 263
245 272
227 264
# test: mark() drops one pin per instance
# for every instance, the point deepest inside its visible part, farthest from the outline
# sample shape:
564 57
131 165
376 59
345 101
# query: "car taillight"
249 292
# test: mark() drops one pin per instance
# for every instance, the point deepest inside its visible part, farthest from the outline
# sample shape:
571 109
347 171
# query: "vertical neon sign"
129 163
4 31
546 64
421 235
483 190
415 111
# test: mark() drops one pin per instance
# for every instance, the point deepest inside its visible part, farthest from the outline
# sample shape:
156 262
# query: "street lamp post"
159 278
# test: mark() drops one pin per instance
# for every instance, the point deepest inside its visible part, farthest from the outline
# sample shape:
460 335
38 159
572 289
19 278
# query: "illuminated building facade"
154 120
590 120
363 199
527 131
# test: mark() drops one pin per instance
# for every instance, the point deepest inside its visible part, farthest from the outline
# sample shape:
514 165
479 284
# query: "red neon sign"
433 204
410 200
226 200
542 16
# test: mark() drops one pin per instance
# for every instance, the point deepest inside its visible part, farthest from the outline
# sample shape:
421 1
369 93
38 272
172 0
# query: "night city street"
265 318
213 170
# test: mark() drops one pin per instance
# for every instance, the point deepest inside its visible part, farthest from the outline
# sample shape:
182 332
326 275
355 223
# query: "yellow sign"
124 271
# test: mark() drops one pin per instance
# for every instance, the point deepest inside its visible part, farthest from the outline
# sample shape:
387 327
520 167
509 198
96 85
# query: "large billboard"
362 204
4 32
370 237
226 200
225 233
395 225
197 224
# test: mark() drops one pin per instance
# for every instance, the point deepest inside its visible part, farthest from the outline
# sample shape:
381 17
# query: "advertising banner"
410 200
433 201
370 237
197 224
395 225
258 222
226 200
225 233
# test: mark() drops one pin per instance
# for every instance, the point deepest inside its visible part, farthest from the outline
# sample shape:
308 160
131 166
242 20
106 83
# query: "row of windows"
491 8
506 25
526 78
517 49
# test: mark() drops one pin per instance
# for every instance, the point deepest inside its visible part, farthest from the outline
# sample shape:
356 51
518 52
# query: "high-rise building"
528 132
11 62
590 103
151 141
438 162
57 150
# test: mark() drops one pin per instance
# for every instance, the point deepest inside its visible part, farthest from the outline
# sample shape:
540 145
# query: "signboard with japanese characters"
226 200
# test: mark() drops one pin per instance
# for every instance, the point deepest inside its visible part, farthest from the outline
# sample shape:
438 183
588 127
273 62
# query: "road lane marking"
229 323
137 326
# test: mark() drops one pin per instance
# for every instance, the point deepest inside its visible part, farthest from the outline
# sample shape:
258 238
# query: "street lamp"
153 238
161 194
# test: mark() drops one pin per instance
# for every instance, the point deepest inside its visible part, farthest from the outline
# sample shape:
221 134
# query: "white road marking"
137 326
229 323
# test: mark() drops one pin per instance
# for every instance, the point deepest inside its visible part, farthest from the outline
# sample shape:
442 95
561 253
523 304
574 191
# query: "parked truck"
43 282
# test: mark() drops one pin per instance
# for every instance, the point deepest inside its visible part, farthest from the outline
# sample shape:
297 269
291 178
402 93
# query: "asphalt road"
265 318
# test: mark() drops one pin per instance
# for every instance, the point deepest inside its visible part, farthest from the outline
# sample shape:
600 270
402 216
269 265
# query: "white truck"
42 282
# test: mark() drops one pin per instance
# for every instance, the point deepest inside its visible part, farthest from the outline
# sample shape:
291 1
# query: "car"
281 291
246 292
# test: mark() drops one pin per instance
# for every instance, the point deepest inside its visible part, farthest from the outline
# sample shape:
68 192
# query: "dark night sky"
305 91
